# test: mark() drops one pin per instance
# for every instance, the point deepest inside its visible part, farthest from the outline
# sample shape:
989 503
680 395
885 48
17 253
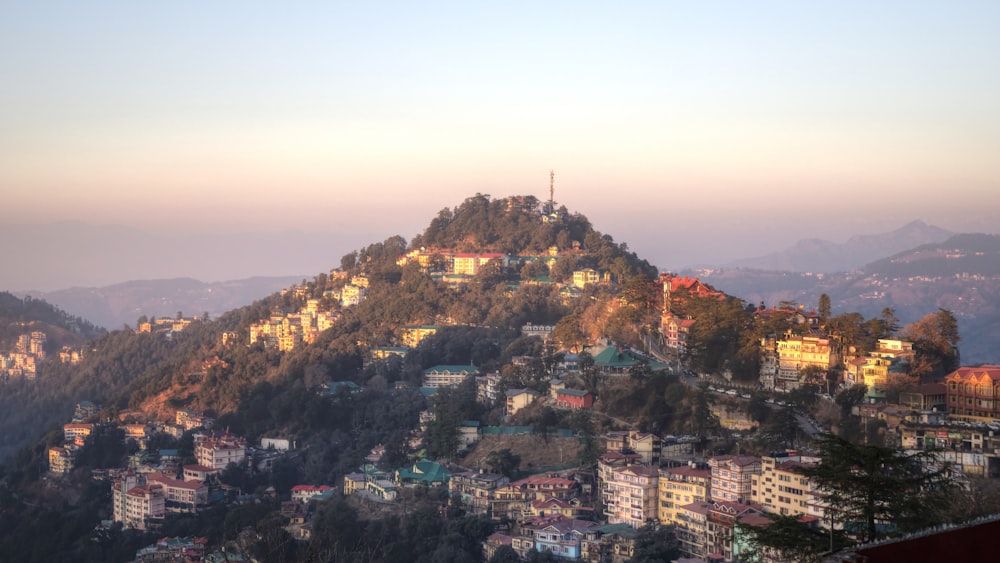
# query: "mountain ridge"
819 255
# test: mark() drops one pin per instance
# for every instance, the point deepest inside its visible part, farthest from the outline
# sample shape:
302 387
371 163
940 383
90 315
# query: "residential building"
77 432
584 277
517 399
974 392
681 486
84 410
676 331
630 496
217 452
514 499
306 493
445 375
473 489
180 496
574 399
423 472
137 506
732 477
60 460
780 487
795 353
486 388
562 536
723 518
692 529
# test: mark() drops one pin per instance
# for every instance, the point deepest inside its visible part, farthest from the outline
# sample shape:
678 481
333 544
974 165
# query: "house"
583 278
448 375
614 360
423 472
562 536
494 541
518 399
306 493
138 506
574 399
676 331
514 499
486 388
353 482
723 518
468 433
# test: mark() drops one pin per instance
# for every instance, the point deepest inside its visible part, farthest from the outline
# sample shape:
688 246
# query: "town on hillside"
557 402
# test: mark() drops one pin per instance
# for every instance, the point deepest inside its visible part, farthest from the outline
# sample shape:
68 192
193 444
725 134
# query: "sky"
696 132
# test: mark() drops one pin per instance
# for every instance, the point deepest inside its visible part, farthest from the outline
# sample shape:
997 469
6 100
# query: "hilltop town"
511 385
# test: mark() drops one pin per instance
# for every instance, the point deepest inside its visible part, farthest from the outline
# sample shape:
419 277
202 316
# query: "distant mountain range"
116 305
816 255
961 274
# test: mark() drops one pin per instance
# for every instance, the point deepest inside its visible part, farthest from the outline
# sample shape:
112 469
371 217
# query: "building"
445 376
583 278
473 489
180 496
517 399
76 432
974 392
732 477
692 529
60 460
780 488
574 399
137 506
217 452
306 493
792 355
630 496
681 486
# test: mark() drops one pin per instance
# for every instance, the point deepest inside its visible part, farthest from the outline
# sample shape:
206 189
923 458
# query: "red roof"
977 374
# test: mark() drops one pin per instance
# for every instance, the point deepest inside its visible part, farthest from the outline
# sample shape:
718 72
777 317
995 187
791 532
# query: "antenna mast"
552 190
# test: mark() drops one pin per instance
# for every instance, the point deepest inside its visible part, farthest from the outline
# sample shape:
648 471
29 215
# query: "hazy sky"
693 131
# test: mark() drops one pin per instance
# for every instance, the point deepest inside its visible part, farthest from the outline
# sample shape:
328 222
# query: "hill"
120 304
817 255
961 274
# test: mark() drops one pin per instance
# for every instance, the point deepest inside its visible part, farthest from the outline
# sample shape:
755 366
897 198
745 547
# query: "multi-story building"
780 488
77 432
794 353
446 376
136 505
723 518
470 264
692 529
974 392
60 460
180 496
732 477
412 335
473 489
630 496
649 446
583 278
681 486
514 499
217 452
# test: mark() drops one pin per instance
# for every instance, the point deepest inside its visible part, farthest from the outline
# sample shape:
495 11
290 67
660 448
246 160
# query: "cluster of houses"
284 331
22 361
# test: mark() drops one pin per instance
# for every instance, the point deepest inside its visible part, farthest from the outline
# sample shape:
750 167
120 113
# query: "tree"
503 462
654 544
879 489
824 307
935 343
787 539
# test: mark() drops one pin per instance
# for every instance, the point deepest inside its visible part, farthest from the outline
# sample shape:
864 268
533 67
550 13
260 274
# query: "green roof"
424 471
613 358
452 369
573 392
